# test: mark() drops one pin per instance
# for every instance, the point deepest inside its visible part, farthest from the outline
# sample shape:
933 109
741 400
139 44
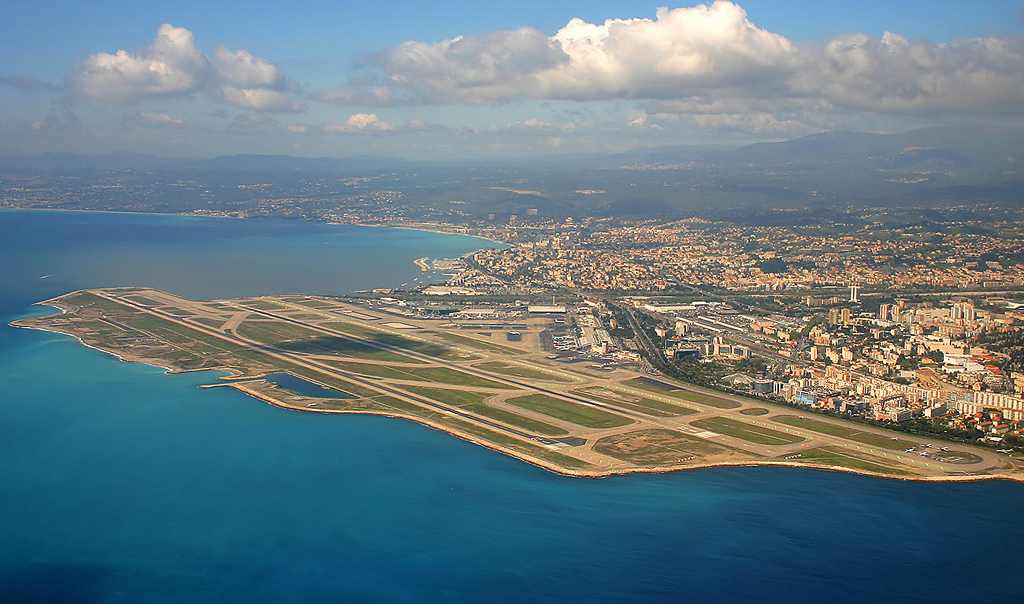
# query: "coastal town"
895 316
919 330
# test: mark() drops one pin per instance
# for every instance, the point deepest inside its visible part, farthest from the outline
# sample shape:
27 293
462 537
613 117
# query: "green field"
633 402
441 375
353 329
520 371
293 338
266 305
686 395
479 345
448 396
849 432
748 432
844 458
453 377
424 348
569 411
382 371
484 433
514 419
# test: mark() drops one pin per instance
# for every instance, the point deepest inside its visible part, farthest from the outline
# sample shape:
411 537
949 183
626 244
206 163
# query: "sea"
120 483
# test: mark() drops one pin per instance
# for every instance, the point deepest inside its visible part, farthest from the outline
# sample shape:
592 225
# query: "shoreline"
425 227
570 473
535 459
546 465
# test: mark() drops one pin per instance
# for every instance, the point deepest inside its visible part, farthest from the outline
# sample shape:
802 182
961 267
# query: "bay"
119 483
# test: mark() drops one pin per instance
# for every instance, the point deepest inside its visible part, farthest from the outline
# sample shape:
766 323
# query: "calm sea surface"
119 483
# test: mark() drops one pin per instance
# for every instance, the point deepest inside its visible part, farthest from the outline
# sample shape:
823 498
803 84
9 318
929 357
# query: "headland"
489 385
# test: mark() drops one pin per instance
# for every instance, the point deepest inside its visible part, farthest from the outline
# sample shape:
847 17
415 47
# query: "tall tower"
855 293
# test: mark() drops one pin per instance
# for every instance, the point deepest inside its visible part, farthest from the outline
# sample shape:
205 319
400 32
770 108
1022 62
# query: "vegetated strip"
202 343
474 343
569 411
441 375
398 341
520 371
265 305
514 419
447 396
745 431
628 401
362 331
454 377
868 438
300 339
686 395
370 369
485 433
834 455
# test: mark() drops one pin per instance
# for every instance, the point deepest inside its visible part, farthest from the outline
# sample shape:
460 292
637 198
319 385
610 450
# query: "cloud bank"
685 72
706 58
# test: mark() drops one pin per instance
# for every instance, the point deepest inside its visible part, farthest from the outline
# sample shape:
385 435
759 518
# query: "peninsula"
493 383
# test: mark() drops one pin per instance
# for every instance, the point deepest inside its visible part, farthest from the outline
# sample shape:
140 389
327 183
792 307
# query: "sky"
462 79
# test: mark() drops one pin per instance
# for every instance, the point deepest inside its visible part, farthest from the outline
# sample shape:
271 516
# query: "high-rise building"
855 293
883 312
844 316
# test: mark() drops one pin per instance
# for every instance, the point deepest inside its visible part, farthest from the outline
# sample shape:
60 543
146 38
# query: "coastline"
437 229
511 452
571 473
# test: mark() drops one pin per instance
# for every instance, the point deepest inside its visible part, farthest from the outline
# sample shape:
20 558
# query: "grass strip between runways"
633 402
841 457
686 395
849 432
748 432
571 412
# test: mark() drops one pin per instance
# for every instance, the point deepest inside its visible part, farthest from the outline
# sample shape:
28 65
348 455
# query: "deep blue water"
119 483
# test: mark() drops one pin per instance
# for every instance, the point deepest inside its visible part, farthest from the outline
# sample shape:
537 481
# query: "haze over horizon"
457 79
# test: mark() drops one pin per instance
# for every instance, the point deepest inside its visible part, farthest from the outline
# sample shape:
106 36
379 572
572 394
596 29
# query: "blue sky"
468 79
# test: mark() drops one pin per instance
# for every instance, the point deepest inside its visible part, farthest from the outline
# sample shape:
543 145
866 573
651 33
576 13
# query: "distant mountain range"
946 165
964 148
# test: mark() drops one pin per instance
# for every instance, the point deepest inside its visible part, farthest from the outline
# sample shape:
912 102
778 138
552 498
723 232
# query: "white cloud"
706 56
240 69
261 99
161 120
490 67
171 65
360 123
894 74
682 49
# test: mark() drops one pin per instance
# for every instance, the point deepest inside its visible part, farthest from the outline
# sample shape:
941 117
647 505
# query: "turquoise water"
119 483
